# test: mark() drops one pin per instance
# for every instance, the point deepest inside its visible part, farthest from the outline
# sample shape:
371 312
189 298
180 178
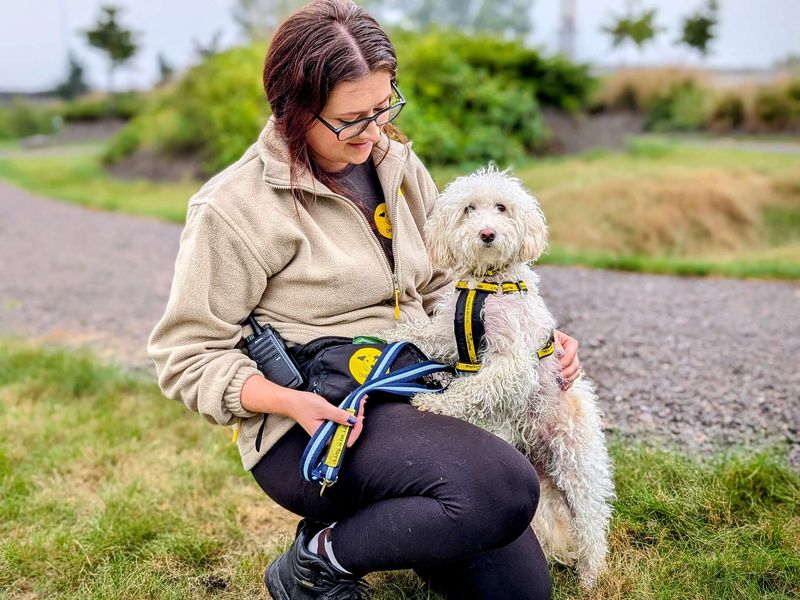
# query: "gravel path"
704 362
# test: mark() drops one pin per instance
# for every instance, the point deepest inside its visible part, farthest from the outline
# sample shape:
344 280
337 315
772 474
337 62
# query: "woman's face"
349 100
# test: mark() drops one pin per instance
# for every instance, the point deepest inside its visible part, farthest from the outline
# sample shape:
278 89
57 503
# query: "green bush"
681 108
214 111
773 109
22 119
93 108
470 99
728 113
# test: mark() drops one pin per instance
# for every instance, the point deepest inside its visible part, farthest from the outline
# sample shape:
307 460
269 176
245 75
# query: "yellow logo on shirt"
361 363
382 221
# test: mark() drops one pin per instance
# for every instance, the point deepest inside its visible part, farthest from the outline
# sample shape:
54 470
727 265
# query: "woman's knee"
498 489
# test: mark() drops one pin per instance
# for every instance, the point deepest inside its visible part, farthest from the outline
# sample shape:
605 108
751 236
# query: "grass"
78 177
109 490
662 206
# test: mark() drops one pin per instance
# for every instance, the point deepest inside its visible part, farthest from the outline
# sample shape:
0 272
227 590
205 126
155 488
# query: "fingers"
359 426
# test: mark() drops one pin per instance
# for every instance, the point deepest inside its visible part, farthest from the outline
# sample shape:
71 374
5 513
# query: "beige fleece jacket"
308 271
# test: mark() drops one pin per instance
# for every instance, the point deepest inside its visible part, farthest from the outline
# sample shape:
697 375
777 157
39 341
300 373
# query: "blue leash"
316 464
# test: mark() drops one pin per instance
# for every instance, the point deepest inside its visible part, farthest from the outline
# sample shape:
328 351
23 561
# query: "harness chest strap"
468 322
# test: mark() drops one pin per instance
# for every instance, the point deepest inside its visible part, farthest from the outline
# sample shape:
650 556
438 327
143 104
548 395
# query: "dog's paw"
426 403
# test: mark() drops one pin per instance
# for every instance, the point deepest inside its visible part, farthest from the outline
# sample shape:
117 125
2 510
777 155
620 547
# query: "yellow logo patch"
361 363
382 221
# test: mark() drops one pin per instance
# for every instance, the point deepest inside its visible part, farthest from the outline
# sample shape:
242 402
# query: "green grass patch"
77 176
110 490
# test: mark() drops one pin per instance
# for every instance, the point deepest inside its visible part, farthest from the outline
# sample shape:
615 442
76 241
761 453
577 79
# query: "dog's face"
485 220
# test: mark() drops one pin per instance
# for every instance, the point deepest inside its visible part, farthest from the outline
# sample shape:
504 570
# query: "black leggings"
425 492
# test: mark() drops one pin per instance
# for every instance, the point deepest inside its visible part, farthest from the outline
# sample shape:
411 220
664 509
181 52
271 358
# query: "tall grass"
109 490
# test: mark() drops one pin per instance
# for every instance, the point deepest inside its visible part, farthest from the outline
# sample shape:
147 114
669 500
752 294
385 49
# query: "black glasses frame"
366 120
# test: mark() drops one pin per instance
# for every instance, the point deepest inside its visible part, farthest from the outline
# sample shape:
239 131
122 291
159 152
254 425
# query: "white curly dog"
486 229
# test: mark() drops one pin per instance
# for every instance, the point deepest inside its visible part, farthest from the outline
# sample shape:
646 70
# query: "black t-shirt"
364 189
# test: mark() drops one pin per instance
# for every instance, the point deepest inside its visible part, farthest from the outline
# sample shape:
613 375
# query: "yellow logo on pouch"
382 221
361 363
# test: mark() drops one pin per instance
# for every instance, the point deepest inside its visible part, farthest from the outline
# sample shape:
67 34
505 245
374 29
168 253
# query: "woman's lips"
362 146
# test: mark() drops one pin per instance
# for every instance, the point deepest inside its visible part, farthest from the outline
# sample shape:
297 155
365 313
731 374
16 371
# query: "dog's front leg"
432 336
496 394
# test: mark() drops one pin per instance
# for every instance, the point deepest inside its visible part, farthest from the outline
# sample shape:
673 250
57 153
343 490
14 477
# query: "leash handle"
323 466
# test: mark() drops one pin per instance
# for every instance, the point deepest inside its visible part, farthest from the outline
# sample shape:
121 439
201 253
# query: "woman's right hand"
312 410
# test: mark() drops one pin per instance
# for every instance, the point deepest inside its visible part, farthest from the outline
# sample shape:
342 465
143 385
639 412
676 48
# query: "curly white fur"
488 221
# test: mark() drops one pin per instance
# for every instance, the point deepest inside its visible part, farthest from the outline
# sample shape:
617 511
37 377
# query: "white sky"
35 35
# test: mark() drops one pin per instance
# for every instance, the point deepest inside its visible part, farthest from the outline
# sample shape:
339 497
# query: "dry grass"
674 212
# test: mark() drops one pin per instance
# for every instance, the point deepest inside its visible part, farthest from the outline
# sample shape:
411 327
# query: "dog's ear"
532 228
437 230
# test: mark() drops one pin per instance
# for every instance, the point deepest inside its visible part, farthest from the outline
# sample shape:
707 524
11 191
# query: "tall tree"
74 85
257 19
508 17
113 39
638 27
697 29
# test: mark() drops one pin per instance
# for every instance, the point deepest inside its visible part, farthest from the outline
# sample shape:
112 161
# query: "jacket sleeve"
219 278
440 280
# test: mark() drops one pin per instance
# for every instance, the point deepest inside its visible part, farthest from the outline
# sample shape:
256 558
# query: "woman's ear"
437 238
532 228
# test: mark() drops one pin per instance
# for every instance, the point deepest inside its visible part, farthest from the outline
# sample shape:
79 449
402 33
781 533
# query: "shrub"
773 109
93 108
470 99
728 113
681 108
214 112
22 119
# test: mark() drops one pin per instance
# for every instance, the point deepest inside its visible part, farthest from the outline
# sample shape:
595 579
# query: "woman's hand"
567 353
312 410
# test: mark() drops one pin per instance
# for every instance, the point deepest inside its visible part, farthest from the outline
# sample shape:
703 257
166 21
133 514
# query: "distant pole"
566 37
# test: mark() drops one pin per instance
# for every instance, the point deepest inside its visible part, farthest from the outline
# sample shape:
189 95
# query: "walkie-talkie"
269 352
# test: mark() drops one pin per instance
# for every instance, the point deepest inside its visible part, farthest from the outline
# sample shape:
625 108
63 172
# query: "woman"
317 229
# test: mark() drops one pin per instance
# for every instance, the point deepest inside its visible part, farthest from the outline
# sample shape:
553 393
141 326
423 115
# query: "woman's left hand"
567 353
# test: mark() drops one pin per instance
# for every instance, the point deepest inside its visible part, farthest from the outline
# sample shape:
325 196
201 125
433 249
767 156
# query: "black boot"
300 574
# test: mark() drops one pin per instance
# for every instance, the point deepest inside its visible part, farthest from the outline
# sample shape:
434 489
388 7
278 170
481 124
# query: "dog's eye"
500 207
469 209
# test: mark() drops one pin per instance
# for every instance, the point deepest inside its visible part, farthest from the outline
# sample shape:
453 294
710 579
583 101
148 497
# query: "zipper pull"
236 428
396 298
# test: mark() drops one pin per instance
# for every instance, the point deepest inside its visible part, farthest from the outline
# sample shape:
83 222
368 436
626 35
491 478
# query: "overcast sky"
35 35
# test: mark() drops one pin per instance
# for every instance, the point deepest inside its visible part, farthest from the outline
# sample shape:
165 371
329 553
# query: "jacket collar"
274 154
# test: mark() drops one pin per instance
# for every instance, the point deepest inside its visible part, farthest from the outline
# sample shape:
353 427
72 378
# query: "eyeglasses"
352 129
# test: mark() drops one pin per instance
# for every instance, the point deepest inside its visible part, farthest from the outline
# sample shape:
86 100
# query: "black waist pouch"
334 366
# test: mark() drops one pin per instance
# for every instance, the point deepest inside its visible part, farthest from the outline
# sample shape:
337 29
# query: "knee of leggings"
502 494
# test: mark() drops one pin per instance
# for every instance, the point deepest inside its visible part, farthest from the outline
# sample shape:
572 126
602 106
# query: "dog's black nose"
487 236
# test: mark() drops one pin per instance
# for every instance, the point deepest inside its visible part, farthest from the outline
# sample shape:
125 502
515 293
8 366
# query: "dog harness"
468 322
403 382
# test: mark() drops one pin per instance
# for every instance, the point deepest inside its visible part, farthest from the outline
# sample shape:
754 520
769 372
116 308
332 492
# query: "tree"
257 19
698 28
165 69
74 85
112 39
209 49
507 17
639 28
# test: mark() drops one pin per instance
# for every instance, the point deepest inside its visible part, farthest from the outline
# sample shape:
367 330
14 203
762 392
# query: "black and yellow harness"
468 322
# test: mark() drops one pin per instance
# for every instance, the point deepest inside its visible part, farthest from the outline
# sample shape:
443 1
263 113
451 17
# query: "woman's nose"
372 132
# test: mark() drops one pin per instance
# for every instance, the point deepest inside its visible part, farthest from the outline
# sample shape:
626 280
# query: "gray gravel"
703 363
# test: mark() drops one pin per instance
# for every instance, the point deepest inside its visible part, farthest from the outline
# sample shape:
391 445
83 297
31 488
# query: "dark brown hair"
315 48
